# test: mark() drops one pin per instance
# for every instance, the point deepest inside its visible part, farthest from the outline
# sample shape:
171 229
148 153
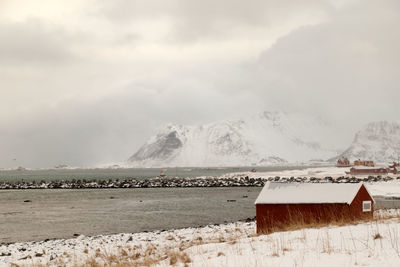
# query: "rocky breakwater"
232 181
136 183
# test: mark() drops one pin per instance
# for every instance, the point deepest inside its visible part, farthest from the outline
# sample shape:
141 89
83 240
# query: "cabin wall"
355 171
356 205
272 217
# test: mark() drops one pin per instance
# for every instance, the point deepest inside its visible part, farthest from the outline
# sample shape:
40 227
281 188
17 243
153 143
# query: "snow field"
374 243
317 172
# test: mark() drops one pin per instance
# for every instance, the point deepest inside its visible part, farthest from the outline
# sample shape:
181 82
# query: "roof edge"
369 193
355 193
267 184
259 194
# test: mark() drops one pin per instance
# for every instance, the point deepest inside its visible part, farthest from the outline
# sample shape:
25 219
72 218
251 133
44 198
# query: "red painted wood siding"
272 217
356 205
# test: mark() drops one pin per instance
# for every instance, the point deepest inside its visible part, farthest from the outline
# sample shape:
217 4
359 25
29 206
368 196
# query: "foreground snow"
236 244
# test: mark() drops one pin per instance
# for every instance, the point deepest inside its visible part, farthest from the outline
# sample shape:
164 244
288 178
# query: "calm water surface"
63 213
143 173
54 213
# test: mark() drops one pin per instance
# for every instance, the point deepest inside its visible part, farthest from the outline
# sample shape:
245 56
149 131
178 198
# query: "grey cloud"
85 133
33 42
196 20
347 68
74 132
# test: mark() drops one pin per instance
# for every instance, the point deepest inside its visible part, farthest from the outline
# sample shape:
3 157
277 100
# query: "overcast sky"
87 82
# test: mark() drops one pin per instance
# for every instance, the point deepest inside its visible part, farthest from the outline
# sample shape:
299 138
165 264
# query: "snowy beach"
79 227
374 243
114 206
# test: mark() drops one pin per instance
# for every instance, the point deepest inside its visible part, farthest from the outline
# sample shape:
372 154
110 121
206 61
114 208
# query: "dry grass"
297 221
327 241
377 236
135 256
149 255
175 252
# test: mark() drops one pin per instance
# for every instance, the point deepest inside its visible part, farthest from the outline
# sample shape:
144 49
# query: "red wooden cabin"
280 205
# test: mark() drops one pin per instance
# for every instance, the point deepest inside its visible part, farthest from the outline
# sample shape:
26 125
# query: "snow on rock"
374 243
262 139
377 141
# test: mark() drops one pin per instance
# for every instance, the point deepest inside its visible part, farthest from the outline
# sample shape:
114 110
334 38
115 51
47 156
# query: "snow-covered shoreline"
235 244
248 178
229 180
232 244
312 172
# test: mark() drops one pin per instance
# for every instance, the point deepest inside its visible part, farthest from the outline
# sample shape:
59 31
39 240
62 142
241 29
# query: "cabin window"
366 206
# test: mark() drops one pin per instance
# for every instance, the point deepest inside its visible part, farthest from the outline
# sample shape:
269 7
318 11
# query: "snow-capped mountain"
266 138
378 141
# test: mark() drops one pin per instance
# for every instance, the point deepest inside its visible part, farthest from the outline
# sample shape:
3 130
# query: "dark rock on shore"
136 183
159 182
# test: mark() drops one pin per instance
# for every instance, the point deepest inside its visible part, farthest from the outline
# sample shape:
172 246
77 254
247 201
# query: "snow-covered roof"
302 193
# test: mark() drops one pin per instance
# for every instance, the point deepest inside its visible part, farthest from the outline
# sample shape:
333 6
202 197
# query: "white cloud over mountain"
85 82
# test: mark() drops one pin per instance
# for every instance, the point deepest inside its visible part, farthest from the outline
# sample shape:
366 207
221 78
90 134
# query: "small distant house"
343 162
367 163
280 205
394 168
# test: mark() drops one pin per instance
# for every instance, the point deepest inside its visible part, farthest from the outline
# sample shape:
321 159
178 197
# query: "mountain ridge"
262 139
378 141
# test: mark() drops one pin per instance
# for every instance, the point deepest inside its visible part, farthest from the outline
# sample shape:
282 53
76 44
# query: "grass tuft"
377 236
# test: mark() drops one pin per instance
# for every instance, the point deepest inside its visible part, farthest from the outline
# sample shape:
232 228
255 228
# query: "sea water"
27 215
140 173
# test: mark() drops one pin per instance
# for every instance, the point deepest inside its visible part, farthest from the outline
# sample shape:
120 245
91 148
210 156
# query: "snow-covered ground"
374 243
385 189
317 172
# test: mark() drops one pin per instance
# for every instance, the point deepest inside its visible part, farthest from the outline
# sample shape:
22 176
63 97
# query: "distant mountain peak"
271 137
378 141
163 148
